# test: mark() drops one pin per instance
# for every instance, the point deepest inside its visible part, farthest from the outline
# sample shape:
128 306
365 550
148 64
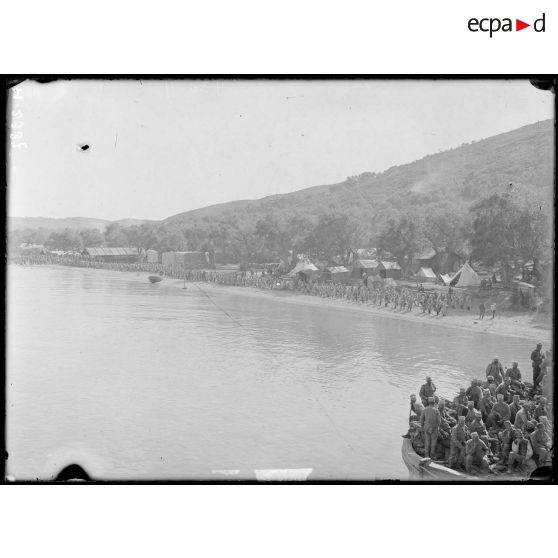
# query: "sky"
162 147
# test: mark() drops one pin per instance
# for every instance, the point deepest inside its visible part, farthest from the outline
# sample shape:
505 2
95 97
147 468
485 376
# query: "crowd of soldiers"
374 293
501 424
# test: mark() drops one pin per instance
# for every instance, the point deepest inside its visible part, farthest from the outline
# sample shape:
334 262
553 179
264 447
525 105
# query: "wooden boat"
155 278
423 468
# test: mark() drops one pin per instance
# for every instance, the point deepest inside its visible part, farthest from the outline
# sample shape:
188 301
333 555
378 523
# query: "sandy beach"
512 324
524 325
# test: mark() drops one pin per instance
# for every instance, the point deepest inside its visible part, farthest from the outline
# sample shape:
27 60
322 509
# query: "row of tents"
466 276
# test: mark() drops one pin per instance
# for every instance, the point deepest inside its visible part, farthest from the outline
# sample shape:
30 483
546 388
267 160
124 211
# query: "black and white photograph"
269 280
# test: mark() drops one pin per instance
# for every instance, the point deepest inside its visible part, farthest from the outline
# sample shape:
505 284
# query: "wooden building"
114 255
337 274
365 267
389 270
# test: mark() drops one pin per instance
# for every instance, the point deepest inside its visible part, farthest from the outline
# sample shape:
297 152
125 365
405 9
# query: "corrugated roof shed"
97 251
338 269
368 264
390 265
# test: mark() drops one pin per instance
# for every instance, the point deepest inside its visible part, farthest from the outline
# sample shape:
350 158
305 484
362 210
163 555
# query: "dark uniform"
537 357
475 454
459 436
430 421
426 391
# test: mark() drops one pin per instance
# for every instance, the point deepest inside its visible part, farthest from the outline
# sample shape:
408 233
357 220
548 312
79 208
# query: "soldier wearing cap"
523 416
514 373
444 414
459 435
505 389
470 416
475 453
506 439
461 402
492 385
486 403
474 393
521 451
430 422
427 390
515 407
502 408
541 409
496 370
477 425
541 444
416 407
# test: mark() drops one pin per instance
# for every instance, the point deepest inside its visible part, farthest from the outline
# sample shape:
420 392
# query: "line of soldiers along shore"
501 424
401 298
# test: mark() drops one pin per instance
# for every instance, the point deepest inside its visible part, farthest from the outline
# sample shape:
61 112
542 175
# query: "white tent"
465 277
446 278
305 267
426 274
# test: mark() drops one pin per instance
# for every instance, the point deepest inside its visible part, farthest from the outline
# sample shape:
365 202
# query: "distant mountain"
79 223
524 156
20 223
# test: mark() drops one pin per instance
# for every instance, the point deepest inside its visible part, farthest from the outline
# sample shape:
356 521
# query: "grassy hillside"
463 175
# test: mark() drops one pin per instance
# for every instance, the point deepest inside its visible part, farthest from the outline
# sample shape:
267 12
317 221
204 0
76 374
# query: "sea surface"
138 381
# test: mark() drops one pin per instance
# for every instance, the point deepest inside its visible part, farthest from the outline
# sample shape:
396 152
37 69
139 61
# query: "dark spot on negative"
84 147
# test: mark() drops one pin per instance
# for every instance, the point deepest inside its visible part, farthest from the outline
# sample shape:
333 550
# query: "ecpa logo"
494 24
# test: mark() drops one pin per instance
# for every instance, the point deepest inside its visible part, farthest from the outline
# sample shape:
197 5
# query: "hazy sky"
158 148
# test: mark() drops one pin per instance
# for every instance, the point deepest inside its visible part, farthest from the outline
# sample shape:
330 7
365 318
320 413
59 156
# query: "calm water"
141 381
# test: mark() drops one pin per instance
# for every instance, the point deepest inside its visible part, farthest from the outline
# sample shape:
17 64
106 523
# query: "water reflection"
160 382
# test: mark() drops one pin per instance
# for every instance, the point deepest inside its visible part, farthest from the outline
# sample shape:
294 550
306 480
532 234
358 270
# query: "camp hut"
337 274
465 277
152 256
389 270
361 254
112 255
426 274
365 267
427 259
304 270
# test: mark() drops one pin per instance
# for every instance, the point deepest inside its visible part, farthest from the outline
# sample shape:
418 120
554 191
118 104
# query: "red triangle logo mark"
519 25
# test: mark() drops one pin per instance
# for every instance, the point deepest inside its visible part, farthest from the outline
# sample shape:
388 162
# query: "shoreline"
517 325
510 326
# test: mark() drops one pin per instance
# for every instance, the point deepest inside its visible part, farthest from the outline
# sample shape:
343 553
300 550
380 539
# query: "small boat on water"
156 278
426 469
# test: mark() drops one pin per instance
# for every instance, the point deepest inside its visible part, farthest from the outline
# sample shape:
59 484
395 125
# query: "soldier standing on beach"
537 358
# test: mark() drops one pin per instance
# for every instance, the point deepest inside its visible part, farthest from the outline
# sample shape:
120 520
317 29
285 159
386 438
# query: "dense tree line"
501 230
